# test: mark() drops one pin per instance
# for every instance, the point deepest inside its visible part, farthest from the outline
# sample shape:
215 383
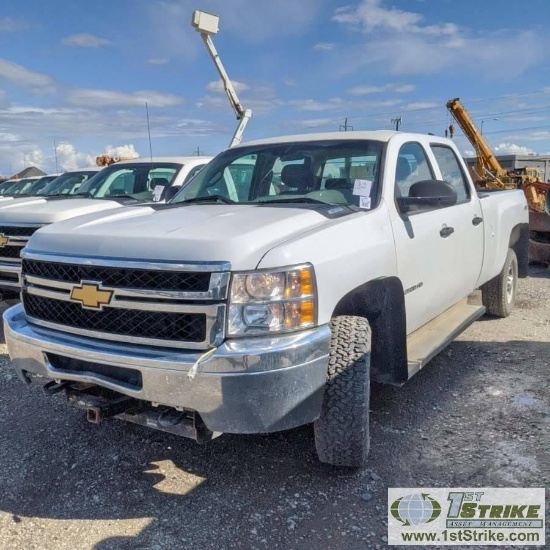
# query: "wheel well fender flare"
519 243
382 302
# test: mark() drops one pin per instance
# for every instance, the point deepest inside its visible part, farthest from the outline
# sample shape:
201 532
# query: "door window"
452 172
412 166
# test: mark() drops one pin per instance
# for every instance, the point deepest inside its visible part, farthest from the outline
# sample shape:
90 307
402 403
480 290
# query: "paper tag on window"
364 202
157 193
362 187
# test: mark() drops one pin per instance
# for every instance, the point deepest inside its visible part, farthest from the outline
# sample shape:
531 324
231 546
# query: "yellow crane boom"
489 173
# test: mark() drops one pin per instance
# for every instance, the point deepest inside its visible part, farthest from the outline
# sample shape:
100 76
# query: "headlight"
264 302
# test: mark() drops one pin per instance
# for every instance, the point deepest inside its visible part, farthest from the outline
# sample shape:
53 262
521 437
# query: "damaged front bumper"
250 385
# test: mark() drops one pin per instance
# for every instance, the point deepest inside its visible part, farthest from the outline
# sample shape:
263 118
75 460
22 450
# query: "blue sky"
79 73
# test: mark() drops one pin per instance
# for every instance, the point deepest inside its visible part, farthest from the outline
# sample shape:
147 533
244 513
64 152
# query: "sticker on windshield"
362 187
157 193
364 202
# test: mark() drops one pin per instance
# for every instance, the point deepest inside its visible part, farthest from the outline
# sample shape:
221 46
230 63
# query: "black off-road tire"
342 430
499 294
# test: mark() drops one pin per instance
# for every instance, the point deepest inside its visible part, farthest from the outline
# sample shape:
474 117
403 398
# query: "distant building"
30 172
511 162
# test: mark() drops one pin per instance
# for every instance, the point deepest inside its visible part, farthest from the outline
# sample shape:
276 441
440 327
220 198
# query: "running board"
426 342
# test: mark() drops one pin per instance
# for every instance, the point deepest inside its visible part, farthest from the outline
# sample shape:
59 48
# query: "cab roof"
179 160
374 135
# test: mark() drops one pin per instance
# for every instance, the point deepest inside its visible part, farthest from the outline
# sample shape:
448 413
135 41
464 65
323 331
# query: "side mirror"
163 193
427 194
171 192
547 202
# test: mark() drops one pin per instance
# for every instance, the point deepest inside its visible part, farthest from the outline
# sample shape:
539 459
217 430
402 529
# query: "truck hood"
46 211
14 201
239 234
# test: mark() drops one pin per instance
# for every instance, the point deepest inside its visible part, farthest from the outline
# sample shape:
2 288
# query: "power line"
345 127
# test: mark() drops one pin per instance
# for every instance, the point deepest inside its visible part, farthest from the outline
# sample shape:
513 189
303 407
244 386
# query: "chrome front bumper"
250 385
10 273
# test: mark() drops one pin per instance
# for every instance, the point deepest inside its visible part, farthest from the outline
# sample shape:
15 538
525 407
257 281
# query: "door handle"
446 231
477 220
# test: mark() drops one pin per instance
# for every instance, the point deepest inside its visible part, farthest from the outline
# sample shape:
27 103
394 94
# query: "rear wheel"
499 294
342 430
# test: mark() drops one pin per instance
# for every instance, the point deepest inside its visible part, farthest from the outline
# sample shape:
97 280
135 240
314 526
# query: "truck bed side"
506 222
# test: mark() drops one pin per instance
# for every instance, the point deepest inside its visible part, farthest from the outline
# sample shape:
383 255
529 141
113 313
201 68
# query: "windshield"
38 185
329 172
20 187
137 181
67 184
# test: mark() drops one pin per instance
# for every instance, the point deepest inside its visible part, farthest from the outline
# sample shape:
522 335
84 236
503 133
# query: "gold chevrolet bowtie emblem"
4 240
90 296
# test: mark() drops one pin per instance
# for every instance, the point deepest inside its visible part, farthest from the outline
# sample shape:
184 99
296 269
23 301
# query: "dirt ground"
477 415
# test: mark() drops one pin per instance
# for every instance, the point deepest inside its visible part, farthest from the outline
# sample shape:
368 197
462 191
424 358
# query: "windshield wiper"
86 194
297 200
120 196
210 198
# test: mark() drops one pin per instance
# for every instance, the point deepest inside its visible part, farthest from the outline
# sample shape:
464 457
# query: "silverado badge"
91 296
4 240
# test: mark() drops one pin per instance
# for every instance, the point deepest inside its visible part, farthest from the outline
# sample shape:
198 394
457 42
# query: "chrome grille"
154 303
17 231
160 325
10 252
119 277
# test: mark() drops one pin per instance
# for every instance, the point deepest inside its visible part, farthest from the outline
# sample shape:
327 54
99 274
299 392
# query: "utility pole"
198 152
397 121
55 153
149 132
345 127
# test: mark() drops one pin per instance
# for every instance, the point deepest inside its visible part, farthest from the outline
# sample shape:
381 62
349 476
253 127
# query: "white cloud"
17 75
7 24
512 149
122 151
420 105
69 158
290 82
397 88
110 98
158 61
316 123
84 40
217 86
469 153
315 105
6 136
324 47
401 42
371 15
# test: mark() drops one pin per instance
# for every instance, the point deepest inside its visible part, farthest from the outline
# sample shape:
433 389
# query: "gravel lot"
478 415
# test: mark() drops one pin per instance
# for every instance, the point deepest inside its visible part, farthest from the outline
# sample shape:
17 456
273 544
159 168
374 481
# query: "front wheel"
342 430
499 294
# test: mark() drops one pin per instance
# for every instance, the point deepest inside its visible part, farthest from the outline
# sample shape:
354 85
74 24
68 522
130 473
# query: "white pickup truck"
260 303
123 183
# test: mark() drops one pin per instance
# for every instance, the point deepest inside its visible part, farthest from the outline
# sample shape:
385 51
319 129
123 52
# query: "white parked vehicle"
82 192
271 303
9 188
